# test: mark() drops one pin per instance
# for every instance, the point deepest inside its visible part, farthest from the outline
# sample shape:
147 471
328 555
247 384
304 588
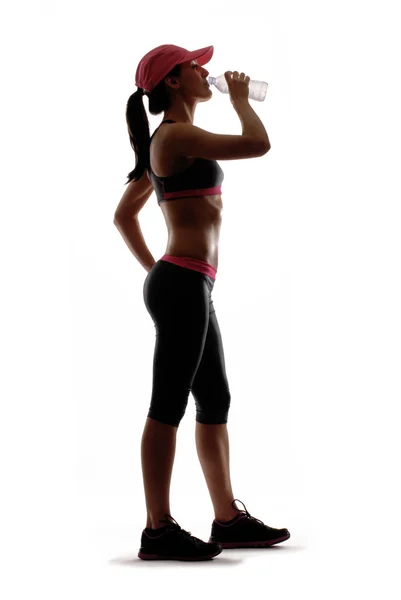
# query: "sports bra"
204 176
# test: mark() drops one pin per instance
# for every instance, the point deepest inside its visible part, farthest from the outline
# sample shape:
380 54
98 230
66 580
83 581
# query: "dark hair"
138 124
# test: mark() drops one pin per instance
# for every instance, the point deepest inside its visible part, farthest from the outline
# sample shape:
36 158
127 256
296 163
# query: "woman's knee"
214 413
163 410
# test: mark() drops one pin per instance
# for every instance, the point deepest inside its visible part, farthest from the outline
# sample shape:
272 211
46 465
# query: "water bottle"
257 89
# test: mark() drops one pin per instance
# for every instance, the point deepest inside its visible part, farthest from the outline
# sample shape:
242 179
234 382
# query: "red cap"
157 63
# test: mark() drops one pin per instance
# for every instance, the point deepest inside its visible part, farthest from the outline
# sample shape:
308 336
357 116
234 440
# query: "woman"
181 162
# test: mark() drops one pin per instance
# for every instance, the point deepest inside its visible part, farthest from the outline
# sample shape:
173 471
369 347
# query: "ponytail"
138 123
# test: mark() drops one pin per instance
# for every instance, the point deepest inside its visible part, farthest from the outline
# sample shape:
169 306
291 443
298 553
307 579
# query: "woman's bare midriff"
193 222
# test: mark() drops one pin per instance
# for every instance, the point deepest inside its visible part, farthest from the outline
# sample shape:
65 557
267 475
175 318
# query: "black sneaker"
245 531
174 543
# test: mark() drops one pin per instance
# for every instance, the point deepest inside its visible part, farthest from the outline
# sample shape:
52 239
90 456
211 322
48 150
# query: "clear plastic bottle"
257 89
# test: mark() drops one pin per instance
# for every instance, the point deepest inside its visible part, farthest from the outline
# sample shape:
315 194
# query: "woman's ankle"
156 523
224 517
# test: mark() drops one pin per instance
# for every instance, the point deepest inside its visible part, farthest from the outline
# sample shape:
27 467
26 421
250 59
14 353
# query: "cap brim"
203 55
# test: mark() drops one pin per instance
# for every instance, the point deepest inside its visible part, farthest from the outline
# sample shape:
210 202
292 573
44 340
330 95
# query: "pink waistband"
191 263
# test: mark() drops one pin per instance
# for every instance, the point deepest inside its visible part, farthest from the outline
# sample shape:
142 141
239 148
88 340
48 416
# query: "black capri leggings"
189 352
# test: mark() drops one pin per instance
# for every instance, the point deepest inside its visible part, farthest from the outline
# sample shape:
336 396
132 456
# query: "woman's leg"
157 455
178 301
212 396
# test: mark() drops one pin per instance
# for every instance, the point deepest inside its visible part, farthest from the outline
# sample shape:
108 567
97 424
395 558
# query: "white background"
307 294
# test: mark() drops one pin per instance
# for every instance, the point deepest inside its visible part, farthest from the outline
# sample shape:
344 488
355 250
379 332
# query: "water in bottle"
257 89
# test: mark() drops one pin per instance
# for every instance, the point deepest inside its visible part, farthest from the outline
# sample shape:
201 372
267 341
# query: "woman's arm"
132 235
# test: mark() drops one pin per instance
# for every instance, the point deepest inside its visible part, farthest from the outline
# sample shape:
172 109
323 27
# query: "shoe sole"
264 544
145 556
